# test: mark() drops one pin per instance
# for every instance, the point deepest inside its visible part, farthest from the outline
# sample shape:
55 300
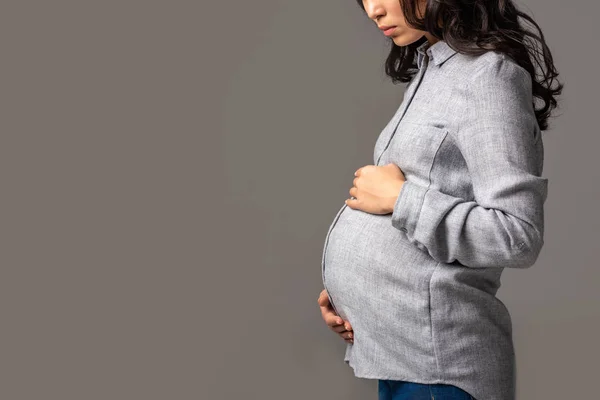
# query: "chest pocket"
413 148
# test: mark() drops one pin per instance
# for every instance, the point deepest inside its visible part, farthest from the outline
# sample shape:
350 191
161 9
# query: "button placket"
412 90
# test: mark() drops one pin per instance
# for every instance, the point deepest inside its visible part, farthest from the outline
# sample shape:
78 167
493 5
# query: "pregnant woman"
412 261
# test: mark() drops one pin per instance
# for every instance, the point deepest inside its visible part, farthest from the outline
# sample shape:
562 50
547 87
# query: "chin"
400 42
404 40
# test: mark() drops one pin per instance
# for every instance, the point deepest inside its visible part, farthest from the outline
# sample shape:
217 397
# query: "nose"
374 9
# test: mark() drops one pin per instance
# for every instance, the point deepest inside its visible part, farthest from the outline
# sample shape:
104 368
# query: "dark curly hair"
474 27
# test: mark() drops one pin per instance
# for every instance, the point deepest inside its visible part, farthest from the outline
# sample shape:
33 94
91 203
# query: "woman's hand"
335 323
376 188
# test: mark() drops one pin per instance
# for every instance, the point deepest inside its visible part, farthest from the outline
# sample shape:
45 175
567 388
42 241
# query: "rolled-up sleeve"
504 225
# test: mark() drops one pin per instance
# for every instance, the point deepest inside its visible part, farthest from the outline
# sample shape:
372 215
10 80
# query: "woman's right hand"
334 321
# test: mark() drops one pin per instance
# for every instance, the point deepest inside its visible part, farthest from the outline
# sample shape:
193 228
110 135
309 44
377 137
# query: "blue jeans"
401 390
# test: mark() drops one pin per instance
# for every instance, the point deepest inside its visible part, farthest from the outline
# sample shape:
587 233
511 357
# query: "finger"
352 202
339 328
323 299
323 293
325 304
346 326
346 335
330 317
351 341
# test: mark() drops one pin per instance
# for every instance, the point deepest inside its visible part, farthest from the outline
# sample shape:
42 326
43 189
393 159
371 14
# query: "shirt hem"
396 377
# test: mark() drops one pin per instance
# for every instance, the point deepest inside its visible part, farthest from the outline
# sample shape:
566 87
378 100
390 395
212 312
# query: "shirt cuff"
408 207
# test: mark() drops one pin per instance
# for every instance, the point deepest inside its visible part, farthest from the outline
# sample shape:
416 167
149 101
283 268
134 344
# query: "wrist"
392 202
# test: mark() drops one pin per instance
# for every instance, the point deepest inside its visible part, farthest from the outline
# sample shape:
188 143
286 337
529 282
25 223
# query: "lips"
389 31
386 27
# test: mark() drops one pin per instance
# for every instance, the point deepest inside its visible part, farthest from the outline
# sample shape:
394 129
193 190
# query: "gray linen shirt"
419 285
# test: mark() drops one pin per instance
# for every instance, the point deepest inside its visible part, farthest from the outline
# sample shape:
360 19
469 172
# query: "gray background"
167 187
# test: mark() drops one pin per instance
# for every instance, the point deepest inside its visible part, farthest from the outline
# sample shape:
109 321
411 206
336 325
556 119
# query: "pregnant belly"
374 275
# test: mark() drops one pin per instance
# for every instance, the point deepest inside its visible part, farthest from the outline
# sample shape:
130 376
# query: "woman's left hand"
376 188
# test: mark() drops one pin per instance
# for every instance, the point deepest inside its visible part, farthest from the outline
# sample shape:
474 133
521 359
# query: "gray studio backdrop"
169 172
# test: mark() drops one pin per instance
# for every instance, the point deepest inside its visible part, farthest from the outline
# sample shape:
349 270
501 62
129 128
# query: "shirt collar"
438 52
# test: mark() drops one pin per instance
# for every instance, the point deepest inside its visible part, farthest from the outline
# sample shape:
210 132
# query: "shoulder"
494 90
497 72
491 68
491 79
